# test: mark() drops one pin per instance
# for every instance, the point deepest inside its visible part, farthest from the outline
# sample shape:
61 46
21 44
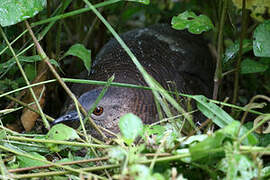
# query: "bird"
174 58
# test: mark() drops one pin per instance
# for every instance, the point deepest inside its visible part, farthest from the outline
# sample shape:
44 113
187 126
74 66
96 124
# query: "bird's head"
115 103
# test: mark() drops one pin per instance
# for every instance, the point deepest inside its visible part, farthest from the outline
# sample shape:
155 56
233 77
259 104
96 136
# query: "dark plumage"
165 53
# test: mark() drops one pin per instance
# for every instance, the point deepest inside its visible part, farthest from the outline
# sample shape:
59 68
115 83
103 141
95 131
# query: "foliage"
13 11
194 24
167 149
81 52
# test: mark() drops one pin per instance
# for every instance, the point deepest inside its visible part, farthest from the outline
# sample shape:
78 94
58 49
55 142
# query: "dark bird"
165 53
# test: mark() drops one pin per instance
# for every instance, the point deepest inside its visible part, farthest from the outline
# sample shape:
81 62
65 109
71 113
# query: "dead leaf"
28 117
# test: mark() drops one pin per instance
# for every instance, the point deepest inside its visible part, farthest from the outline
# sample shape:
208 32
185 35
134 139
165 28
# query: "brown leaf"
28 117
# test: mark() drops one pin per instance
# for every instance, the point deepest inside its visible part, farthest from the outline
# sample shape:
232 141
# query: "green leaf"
250 66
157 130
194 24
14 11
233 50
212 146
62 132
3 134
207 148
130 127
7 83
192 139
116 155
28 162
261 42
237 165
139 171
141 1
30 71
212 111
232 130
240 167
221 118
6 66
81 52
54 62
265 172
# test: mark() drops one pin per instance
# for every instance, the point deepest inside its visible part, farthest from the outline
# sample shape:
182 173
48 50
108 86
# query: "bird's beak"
70 119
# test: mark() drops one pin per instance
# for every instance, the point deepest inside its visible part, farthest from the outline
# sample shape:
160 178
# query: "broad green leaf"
28 162
221 118
213 146
232 51
81 52
60 132
261 42
232 130
250 66
237 165
14 11
212 111
141 1
131 127
208 148
194 24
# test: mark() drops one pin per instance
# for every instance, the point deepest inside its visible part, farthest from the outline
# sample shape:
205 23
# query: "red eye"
98 111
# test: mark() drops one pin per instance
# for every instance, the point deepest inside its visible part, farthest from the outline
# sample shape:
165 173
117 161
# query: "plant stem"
218 72
73 13
242 36
58 142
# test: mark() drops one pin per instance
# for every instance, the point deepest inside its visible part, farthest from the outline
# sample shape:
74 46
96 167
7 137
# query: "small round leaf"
130 127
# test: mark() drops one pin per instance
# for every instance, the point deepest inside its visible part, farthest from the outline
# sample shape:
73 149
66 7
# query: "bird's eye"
98 111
